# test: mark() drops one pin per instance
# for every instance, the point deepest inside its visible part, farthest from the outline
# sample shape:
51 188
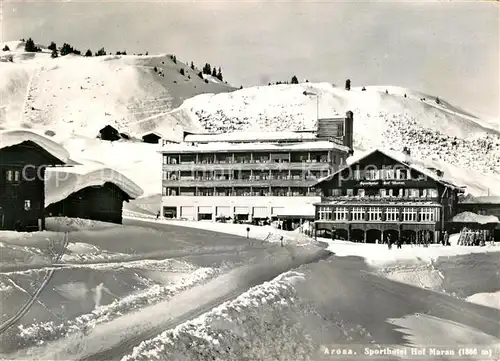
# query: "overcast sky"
449 49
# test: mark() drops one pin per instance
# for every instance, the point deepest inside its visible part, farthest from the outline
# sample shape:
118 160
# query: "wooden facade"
99 203
22 186
380 196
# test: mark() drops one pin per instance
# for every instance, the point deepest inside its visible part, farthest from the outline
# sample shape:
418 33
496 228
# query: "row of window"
12 175
383 192
242 175
395 173
313 157
241 192
372 214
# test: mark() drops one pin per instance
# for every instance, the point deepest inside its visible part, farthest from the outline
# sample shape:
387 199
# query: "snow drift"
60 182
9 138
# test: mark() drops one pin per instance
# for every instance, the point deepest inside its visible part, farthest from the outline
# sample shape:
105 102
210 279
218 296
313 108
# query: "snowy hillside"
82 94
439 132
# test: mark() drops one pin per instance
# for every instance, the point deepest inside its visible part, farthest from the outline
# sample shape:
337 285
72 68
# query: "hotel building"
252 176
383 193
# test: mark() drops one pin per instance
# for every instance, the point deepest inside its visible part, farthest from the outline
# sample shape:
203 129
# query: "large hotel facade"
252 176
384 194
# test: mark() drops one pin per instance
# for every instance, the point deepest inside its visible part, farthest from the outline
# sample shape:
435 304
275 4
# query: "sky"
447 49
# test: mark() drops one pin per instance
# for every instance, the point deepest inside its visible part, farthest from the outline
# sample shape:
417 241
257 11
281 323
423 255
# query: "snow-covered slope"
82 94
433 131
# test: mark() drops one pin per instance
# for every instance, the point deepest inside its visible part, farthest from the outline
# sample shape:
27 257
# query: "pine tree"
30 46
88 52
182 71
174 58
66 49
52 46
192 65
438 101
54 54
101 52
6 48
295 80
214 72
207 69
219 74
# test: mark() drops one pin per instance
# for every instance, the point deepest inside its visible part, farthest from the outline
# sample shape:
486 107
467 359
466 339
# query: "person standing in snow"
446 237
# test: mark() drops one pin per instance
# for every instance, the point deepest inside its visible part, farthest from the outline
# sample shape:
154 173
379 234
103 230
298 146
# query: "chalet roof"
469 199
242 147
61 182
398 157
470 217
9 138
251 137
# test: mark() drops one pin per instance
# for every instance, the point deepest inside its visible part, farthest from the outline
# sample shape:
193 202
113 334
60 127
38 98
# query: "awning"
307 211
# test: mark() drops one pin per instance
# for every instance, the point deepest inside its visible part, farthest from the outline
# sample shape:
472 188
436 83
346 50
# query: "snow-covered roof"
9 138
245 147
252 137
60 182
397 156
470 217
469 199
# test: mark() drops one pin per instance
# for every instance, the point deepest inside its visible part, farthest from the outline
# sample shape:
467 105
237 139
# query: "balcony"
250 166
252 182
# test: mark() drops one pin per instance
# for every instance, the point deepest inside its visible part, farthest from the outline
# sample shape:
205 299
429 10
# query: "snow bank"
470 217
198 332
379 254
263 233
421 330
491 299
8 138
60 182
40 333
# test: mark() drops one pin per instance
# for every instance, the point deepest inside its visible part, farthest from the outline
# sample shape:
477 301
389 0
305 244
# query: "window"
409 215
374 214
341 214
424 193
9 176
389 174
383 192
431 192
165 159
27 205
392 215
325 213
401 193
358 214
349 192
370 174
361 192
164 175
336 192
427 215
414 193
357 174
390 192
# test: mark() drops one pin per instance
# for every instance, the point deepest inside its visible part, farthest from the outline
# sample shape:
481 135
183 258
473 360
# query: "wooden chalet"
88 192
385 194
24 157
100 203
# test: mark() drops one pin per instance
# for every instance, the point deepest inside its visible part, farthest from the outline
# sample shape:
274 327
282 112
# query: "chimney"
348 129
407 155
